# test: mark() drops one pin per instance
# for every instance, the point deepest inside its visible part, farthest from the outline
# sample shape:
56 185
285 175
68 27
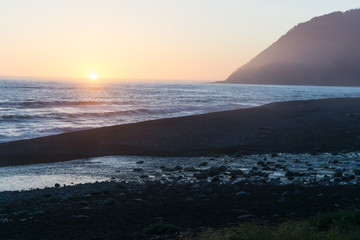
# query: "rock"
202 175
190 169
222 169
139 162
57 185
338 173
203 164
200 196
293 174
167 169
78 216
38 213
20 213
177 168
246 217
236 172
137 170
242 193
110 201
215 179
261 163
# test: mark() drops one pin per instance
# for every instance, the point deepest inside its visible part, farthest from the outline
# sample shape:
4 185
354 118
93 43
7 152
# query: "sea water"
31 109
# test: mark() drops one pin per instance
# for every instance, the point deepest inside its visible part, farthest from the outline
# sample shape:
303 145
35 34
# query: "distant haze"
323 51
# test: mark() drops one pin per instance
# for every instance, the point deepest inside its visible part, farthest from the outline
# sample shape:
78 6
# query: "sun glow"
93 76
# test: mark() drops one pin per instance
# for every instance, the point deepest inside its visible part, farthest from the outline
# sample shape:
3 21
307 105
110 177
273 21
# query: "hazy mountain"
322 51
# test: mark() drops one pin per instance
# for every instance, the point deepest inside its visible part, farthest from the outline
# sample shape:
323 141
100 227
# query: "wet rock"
203 164
338 173
242 194
200 196
266 168
137 170
190 169
167 169
213 171
293 174
261 163
57 185
38 213
110 201
222 169
246 217
202 175
215 179
177 168
140 162
236 172
20 213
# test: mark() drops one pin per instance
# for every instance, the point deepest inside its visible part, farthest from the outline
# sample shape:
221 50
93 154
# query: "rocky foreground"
192 197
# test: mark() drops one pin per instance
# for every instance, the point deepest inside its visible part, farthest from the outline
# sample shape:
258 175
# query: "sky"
168 40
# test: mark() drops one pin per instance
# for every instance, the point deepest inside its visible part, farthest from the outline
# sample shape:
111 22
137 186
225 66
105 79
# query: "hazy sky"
145 39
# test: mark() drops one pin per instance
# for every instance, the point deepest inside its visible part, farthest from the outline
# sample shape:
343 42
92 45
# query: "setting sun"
93 76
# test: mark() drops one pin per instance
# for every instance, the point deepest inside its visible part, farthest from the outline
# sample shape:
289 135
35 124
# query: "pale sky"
145 39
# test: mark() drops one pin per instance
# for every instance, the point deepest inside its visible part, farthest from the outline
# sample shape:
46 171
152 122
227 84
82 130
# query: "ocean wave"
49 104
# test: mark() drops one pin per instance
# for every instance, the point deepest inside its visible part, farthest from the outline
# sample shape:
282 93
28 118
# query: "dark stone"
57 185
177 168
190 169
110 201
203 164
338 173
139 162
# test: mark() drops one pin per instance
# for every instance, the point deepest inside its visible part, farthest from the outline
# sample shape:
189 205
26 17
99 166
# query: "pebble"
110 201
246 217
242 193
203 164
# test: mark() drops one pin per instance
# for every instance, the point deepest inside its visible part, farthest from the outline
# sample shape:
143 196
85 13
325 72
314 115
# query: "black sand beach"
329 125
121 210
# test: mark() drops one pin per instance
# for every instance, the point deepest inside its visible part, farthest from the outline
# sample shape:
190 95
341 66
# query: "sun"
93 76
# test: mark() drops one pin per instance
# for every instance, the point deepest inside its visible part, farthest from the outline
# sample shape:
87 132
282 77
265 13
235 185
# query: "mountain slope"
322 51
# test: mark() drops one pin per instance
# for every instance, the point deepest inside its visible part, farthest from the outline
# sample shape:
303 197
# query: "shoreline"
326 125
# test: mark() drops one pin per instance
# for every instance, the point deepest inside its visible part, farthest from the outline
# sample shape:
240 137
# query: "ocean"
31 109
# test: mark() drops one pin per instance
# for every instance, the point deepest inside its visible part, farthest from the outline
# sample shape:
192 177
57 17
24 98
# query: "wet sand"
330 125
